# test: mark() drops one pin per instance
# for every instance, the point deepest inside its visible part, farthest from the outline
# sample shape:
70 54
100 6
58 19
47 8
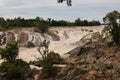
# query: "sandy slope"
64 45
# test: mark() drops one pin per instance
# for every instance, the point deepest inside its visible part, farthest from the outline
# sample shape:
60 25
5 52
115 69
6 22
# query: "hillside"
85 55
62 40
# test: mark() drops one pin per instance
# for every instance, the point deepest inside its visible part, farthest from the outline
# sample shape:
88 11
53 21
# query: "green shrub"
14 70
41 26
48 70
54 57
10 52
113 25
2 29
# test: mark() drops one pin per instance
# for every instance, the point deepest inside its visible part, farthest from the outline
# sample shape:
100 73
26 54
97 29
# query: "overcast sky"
84 9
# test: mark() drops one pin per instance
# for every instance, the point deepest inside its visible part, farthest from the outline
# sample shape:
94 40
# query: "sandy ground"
63 46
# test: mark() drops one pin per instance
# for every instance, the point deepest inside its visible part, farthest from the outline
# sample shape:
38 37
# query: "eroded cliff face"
62 40
92 62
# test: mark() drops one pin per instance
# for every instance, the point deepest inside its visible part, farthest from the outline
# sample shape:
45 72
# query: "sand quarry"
69 38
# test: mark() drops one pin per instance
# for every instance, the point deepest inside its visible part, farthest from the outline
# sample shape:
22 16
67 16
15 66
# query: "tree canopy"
112 19
38 21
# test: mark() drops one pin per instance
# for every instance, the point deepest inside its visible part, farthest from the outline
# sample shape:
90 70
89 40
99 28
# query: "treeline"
77 22
21 22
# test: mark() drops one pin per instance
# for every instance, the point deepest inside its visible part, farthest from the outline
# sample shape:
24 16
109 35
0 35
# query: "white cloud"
88 9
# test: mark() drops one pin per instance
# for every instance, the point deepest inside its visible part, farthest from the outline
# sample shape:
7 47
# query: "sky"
83 9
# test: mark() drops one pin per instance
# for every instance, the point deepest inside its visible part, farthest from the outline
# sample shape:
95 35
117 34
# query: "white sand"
63 46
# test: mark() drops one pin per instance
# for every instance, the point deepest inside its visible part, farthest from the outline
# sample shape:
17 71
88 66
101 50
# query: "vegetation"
13 68
41 23
55 57
10 52
79 22
68 2
47 61
112 20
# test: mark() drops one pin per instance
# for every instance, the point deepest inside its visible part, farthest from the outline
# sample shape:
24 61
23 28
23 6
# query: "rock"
54 36
29 44
71 72
86 30
36 39
10 37
92 73
95 37
2 38
66 35
90 30
79 50
74 51
23 38
86 39
103 62
91 38
118 73
106 66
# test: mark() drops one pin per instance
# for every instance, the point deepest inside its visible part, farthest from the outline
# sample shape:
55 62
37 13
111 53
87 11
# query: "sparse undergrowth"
12 68
48 59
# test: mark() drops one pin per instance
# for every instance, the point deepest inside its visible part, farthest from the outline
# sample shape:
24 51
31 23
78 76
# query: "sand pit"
63 45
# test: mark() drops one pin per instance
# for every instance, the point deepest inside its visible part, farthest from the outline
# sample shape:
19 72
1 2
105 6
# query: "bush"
113 25
47 60
14 70
12 67
10 52
48 69
2 29
54 57
42 26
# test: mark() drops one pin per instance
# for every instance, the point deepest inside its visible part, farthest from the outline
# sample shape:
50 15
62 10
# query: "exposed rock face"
88 60
10 37
2 38
23 37
62 40
69 36
66 35
91 62
54 36
29 44
95 36
26 39
97 62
